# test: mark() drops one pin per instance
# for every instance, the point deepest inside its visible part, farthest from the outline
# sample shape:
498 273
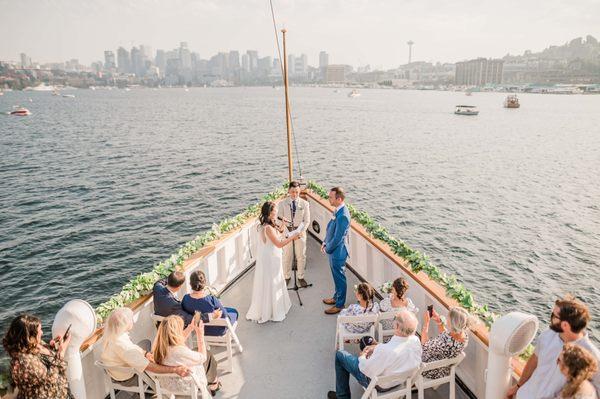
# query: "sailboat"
295 358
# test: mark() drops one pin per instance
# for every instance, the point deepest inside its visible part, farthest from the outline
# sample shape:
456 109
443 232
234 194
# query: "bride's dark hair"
265 211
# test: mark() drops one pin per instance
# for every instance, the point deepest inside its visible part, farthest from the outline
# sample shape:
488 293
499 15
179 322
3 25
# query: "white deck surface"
293 358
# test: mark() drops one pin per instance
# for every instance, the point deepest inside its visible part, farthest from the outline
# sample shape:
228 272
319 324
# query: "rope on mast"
289 102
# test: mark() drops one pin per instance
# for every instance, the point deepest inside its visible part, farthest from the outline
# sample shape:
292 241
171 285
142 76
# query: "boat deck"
293 358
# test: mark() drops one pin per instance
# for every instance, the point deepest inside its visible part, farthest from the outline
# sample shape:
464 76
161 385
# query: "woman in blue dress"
201 300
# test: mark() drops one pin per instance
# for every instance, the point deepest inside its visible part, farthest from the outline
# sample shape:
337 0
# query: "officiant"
295 212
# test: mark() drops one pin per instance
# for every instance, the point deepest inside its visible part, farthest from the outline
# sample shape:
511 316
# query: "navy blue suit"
166 304
337 249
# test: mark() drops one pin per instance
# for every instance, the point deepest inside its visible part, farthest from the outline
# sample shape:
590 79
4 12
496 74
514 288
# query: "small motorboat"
68 95
354 93
466 110
512 101
20 112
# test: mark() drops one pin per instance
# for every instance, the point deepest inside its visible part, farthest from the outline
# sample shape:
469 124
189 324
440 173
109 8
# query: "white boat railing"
226 259
223 261
375 263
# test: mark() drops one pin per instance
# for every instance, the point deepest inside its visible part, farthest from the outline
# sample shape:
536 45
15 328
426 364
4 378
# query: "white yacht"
295 358
354 93
466 110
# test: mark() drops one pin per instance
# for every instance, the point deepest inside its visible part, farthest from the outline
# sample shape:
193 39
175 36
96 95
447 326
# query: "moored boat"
354 93
511 101
466 110
20 111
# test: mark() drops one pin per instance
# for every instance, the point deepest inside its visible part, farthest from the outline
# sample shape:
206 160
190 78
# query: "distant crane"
410 44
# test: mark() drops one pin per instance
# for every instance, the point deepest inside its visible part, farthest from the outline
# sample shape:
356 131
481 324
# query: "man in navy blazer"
167 304
336 247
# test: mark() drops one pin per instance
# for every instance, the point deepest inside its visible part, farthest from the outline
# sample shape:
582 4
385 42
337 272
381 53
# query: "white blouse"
386 306
181 355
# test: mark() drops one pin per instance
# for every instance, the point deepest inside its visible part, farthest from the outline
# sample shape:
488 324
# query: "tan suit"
302 215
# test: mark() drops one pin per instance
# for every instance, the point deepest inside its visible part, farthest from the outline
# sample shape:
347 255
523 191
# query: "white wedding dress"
270 299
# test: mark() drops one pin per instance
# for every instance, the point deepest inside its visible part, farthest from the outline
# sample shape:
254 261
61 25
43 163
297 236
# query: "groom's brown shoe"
329 301
333 310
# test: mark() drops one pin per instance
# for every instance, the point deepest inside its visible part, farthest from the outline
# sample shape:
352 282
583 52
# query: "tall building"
252 60
245 63
137 61
264 65
301 65
291 64
185 56
323 59
123 60
25 61
234 60
161 62
109 60
478 72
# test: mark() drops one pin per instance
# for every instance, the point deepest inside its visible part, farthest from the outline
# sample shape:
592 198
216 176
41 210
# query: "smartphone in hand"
430 310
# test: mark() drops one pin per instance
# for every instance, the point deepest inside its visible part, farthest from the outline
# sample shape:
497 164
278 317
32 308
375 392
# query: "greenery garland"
142 284
419 262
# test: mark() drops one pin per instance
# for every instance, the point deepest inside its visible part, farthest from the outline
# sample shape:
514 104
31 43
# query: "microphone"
284 220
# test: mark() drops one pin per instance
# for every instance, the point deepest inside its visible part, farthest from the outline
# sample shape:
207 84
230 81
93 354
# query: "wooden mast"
288 118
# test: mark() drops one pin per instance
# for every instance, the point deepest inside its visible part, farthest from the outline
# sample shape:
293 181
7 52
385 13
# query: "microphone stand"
295 270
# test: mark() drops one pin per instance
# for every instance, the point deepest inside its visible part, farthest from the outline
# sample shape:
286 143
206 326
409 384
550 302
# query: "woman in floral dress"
448 344
38 369
395 301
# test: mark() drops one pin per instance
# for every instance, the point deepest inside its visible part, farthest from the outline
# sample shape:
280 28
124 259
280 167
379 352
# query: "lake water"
98 188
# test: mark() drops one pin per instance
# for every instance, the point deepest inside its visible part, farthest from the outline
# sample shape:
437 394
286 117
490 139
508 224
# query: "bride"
270 299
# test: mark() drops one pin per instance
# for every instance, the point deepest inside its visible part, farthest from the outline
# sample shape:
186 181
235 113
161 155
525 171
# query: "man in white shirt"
401 353
118 352
542 378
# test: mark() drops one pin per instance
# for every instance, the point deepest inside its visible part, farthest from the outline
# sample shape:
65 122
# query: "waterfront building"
25 61
478 72
335 74
123 60
109 60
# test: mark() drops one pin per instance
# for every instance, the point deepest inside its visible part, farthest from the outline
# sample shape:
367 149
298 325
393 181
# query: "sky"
355 32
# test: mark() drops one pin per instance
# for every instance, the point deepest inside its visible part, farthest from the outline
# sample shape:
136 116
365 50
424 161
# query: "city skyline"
353 32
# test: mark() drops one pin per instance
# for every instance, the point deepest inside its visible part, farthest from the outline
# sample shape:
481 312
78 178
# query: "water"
98 188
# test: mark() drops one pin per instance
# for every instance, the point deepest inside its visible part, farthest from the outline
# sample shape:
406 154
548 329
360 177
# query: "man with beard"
541 376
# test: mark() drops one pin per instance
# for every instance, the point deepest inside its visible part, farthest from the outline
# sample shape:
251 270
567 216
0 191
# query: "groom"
336 247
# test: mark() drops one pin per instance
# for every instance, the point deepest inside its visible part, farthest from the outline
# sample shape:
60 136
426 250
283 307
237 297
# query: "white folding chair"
112 385
186 386
156 318
422 383
381 331
401 382
342 334
225 339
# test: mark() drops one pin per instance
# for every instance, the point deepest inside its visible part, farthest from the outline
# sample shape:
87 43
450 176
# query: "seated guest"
401 353
37 368
396 301
541 377
448 344
366 305
200 300
166 302
578 366
119 351
170 350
